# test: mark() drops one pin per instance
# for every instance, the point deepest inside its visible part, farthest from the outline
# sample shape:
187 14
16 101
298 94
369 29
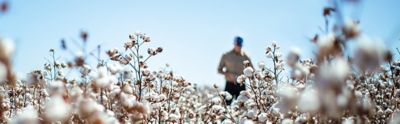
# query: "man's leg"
230 88
241 88
237 89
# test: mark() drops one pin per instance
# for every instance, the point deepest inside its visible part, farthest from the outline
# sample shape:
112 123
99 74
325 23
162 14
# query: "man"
231 65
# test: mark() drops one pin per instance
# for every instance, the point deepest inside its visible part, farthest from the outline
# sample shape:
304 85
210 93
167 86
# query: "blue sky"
194 34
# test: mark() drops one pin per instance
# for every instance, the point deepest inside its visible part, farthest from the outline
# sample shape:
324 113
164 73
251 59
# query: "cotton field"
335 85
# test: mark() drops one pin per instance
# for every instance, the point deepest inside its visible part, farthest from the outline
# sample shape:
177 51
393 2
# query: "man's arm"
221 65
228 76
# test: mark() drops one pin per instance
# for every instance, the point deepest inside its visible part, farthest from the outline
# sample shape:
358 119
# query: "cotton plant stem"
398 51
394 89
169 97
138 71
101 96
54 66
259 93
255 97
225 106
274 60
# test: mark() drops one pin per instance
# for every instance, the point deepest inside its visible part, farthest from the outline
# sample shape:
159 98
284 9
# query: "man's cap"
238 41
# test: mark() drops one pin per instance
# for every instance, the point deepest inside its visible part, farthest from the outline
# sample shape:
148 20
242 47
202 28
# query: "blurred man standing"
231 65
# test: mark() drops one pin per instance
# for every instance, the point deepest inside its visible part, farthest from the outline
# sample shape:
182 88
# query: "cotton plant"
122 90
336 85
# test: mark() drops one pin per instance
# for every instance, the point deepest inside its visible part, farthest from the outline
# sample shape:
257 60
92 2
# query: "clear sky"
194 34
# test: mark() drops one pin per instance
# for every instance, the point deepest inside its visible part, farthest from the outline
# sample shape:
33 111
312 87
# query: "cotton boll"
146 72
262 117
261 65
36 77
28 115
85 70
333 74
102 71
162 97
252 113
88 106
127 89
215 100
227 121
287 121
57 109
127 100
173 117
247 121
349 120
228 96
44 92
342 100
326 41
56 87
128 74
369 54
176 95
75 91
328 45
103 118
301 119
296 74
383 85
151 96
112 80
217 109
351 29
337 69
103 79
287 91
114 68
240 79
300 71
143 108
201 109
248 71
110 113
274 43
7 47
28 96
156 105
293 57
113 53
300 87
350 84
308 101
388 111
249 104
358 94
243 96
104 97
115 91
